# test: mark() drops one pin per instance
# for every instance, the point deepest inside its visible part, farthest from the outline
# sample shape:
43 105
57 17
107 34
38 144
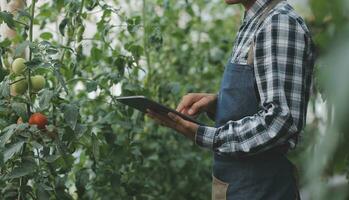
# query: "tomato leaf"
12 150
52 51
21 47
42 193
61 80
7 135
45 99
26 168
46 35
5 88
5 43
80 129
1 157
62 25
7 18
20 109
71 114
91 86
24 13
95 146
34 62
82 178
52 158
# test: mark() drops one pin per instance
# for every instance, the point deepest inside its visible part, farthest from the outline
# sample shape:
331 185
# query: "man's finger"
196 107
179 121
161 119
184 111
186 101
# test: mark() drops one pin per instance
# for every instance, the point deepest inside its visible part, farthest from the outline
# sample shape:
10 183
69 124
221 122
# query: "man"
260 108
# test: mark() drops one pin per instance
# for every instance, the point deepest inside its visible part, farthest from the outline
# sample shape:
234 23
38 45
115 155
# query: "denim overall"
265 176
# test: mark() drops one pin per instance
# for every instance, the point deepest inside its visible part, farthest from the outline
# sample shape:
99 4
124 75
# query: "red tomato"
39 119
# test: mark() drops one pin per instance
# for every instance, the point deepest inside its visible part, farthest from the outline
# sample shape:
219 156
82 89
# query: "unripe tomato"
20 85
12 91
18 66
37 83
38 119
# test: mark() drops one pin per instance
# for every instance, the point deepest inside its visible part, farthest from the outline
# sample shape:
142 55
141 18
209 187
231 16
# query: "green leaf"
90 5
5 88
120 63
80 129
95 146
52 51
52 158
82 178
45 99
45 43
133 24
20 109
43 69
7 135
12 150
21 47
5 43
62 25
42 193
36 145
61 80
1 157
34 62
91 86
96 53
136 50
26 168
71 114
46 35
24 13
7 18
22 127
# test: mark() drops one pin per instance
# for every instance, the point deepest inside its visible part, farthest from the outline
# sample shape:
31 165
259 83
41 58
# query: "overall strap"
265 14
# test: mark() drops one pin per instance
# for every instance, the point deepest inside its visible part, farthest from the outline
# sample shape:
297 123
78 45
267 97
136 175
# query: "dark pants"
269 177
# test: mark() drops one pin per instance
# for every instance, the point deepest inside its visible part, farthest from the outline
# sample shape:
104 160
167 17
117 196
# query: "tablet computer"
142 103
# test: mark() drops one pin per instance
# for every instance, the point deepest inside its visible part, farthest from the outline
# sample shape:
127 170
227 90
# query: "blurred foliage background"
93 50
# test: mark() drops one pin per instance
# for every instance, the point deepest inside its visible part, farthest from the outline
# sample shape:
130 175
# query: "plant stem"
145 43
31 27
17 81
81 7
30 55
21 180
19 22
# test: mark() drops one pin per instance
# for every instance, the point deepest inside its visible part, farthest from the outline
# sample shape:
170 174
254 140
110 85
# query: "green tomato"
37 83
20 85
18 66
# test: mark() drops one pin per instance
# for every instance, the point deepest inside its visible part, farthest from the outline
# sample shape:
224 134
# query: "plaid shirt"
283 65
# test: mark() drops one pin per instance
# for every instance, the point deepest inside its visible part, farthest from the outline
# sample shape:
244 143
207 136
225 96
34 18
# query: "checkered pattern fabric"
283 66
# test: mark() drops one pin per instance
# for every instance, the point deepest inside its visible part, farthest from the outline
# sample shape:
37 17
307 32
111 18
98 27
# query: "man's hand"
176 123
195 103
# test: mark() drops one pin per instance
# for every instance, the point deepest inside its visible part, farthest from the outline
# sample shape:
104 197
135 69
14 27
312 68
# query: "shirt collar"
256 7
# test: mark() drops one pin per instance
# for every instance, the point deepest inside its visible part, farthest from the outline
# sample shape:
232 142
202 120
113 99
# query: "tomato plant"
69 60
